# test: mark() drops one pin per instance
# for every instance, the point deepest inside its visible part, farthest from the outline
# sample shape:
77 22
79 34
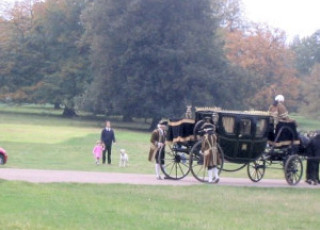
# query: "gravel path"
52 176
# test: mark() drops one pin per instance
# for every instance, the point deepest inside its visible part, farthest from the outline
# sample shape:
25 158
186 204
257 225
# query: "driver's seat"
285 134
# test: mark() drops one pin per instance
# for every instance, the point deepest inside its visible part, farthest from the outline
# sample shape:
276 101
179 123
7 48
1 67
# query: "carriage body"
244 138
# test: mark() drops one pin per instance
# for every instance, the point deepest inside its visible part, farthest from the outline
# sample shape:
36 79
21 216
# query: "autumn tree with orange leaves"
262 51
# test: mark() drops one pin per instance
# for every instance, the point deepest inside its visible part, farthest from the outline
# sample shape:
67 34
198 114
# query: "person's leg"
104 156
317 155
213 172
316 172
162 155
157 169
157 166
216 174
308 171
310 164
313 171
109 154
210 174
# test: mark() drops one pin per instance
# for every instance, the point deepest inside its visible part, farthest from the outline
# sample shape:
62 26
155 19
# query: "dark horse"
313 153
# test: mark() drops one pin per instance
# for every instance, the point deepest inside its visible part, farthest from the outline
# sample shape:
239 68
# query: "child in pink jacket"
97 151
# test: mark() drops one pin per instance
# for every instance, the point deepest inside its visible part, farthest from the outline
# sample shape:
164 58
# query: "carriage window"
228 124
261 127
245 126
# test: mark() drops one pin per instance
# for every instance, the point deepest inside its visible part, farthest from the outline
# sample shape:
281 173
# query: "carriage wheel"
256 170
293 169
176 164
196 162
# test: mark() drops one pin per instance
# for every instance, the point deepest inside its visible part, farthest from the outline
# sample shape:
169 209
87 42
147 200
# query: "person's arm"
102 136
113 137
154 138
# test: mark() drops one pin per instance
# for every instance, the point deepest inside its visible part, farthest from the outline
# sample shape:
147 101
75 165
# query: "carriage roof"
222 111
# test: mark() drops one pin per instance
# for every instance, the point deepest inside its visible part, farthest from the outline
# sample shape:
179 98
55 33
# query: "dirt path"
51 176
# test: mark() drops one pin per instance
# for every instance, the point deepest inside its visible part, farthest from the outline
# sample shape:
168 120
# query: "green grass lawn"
86 206
57 143
306 124
35 137
42 140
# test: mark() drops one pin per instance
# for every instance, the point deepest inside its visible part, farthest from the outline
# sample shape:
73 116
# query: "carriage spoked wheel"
293 169
256 170
197 167
175 162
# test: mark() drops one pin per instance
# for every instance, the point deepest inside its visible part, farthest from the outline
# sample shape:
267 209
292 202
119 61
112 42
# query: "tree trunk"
69 112
57 106
127 118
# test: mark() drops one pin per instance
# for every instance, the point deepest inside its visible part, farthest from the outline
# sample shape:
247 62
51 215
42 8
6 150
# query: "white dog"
124 158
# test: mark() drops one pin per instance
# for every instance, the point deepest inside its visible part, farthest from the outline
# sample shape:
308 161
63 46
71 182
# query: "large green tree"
307 52
152 58
66 72
20 60
310 93
44 58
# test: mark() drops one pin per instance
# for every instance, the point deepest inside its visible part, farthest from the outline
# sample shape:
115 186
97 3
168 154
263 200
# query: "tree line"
151 58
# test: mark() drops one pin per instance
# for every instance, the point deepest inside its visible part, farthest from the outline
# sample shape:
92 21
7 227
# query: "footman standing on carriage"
157 147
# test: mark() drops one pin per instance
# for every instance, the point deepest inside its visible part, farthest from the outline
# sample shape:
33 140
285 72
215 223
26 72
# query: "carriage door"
244 132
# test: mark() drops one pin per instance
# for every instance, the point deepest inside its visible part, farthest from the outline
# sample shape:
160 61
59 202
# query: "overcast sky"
296 17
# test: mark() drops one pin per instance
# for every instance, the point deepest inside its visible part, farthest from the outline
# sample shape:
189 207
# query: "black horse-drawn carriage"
247 139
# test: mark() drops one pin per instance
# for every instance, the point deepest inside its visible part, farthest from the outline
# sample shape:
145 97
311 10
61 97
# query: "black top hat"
163 122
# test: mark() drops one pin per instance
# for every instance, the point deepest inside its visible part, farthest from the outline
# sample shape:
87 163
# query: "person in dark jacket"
107 137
